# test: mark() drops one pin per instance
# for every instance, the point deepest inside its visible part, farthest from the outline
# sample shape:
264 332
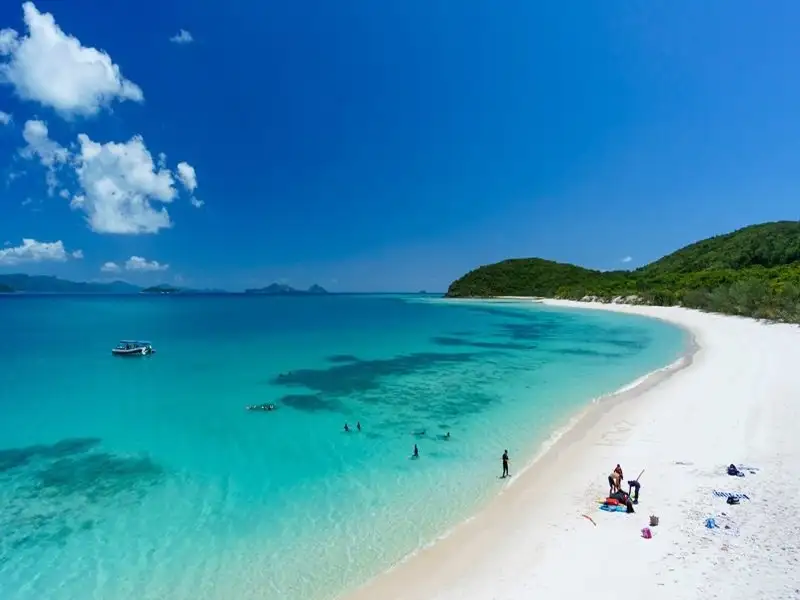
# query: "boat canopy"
143 343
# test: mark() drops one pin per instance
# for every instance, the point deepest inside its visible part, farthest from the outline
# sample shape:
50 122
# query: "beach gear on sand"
711 523
752 470
590 519
733 471
646 533
727 495
653 521
613 508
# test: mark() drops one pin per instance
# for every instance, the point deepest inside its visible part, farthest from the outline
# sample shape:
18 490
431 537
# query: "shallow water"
145 478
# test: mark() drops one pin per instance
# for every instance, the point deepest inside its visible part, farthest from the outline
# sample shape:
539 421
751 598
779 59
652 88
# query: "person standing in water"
505 463
346 427
358 425
416 451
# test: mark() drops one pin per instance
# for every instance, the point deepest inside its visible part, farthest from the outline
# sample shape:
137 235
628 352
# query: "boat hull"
132 352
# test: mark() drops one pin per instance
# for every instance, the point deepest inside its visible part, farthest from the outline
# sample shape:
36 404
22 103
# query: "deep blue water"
146 478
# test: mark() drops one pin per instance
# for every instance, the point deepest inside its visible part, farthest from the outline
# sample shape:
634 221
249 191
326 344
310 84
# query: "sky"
386 146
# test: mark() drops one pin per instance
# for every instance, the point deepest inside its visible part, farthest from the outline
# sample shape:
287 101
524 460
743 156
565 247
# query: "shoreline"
502 550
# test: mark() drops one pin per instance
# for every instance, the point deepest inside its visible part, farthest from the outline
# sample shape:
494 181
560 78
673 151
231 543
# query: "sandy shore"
738 401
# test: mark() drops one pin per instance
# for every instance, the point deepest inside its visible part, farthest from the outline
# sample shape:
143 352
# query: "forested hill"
753 271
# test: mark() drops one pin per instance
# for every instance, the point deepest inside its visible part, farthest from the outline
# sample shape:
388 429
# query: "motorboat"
262 407
133 348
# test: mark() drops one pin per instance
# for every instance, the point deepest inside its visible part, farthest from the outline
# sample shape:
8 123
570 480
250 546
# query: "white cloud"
53 68
119 184
33 251
137 263
5 118
187 176
39 144
110 267
182 37
627 259
51 154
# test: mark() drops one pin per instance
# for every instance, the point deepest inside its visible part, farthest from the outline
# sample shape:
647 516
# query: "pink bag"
646 533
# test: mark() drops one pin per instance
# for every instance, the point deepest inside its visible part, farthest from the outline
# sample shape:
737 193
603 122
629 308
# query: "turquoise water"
145 478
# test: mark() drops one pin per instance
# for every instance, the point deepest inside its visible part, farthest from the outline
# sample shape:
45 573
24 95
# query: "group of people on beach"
616 493
615 484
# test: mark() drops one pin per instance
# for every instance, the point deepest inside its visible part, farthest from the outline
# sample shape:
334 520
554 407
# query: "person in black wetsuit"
346 427
505 463
358 425
416 451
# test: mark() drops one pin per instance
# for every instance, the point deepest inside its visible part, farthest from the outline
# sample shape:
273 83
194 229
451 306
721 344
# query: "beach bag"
646 533
732 500
611 501
653 521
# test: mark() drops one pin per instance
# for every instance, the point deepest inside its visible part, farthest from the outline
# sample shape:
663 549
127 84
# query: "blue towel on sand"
614 508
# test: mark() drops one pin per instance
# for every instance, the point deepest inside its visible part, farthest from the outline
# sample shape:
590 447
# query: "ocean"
145 478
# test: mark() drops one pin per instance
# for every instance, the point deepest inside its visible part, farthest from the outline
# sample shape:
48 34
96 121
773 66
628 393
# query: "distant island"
281 289
45 284
753 271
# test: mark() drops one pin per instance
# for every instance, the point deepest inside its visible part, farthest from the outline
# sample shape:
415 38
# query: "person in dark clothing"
633 486
358 425
416 451
505 463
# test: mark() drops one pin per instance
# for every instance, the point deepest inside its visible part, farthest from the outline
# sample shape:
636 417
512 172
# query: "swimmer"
358 425
346 427
416 451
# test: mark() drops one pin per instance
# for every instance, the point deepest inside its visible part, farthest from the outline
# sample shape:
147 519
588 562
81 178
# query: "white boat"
133 348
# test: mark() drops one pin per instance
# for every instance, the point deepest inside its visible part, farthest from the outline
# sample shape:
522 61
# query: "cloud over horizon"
33 251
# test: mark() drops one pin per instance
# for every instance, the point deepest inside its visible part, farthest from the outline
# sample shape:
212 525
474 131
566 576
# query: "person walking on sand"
505 464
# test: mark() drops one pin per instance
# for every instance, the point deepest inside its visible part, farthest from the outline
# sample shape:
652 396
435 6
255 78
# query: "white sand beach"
738 401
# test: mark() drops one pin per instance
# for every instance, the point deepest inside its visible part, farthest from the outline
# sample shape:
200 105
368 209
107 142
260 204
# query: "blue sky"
386 146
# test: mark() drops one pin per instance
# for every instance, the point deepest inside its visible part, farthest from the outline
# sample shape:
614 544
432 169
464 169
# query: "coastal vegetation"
754 272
